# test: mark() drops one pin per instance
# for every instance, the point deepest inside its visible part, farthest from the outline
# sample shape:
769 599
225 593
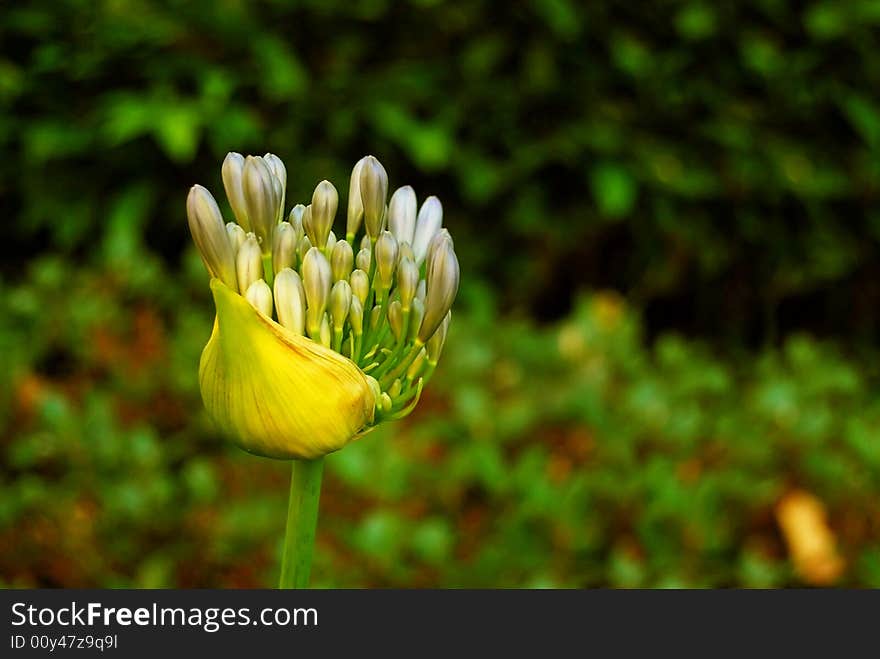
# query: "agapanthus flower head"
318 340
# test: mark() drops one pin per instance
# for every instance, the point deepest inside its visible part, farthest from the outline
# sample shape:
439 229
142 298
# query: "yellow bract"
277 394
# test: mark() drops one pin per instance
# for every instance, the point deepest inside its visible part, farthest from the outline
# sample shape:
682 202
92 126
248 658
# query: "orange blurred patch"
811 542
30 392
579 443
689 471
135 350
558 468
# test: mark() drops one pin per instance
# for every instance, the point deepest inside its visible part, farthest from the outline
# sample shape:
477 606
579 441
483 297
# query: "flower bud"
421 291
355 203
386 258
260 296
360 285
438 340
341 260
395 389
376 316
395 319
319 221
356 316
428 225
374 190
418 365
278 394
209 234
248 263
366 243
362 260
232 173
276 166
331 242
415 319
296 220
407 281
262 199
316 282
442 284
441 237
340 303
236 236
402 214
303 248
290 301
284 247
324 332
405 251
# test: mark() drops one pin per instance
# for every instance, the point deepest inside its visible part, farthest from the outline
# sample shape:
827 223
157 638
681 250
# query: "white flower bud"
319 221
248 263
355 203
427 226
386 258
296 220
442 277
374 191
438 340
402 214
303 248
316 278
262 199
232 173
260 296
236 236
280 171
290 301
283 247
362 260
395 319
360 285
209 234
356 316
415 319
443 237
340 303
407 281
405 251
341 260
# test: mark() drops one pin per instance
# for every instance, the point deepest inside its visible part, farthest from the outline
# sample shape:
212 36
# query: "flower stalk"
302 523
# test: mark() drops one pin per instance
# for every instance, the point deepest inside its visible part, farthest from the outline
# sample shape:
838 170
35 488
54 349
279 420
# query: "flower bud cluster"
382 300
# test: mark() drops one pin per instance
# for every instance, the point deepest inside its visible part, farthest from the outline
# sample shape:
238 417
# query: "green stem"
268 271
302 519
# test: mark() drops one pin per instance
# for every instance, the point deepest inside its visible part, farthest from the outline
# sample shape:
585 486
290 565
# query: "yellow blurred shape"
609 308
811 542
571 342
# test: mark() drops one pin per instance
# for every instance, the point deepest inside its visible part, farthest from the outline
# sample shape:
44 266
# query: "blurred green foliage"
569 455
716 161
717 164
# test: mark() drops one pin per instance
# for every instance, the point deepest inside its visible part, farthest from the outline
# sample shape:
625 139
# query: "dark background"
662 369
